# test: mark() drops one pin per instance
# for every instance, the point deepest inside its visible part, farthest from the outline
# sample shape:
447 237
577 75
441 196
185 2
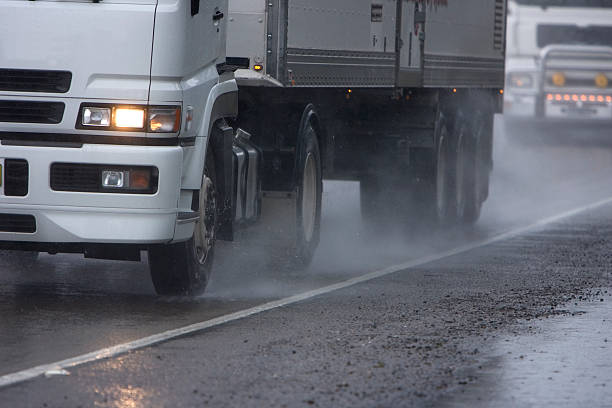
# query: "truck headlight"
134 118
164 119
520 80
93 116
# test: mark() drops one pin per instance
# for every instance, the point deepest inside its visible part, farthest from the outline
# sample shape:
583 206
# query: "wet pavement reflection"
563 361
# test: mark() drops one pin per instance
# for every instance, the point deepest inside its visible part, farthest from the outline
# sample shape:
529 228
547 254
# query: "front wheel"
184 268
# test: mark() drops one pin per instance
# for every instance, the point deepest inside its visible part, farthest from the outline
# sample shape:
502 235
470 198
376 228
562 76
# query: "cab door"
206 31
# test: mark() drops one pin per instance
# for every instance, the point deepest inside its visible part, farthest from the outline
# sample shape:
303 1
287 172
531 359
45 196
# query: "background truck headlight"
520 80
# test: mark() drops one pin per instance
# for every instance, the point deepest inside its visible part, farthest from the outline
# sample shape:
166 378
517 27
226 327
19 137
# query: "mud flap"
277 226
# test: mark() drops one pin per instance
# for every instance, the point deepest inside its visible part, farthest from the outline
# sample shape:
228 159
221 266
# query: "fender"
222 103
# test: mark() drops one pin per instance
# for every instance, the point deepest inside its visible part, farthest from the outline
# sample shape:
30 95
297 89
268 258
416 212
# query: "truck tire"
468 173
446 210
309 195
184 268
434 170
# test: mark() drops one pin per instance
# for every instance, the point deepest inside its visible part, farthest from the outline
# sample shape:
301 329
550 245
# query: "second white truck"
559 64
165 125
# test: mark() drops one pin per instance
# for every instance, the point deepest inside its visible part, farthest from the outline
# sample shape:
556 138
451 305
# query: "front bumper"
77 217
544 112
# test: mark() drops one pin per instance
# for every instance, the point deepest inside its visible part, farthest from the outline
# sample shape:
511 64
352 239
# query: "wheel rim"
309 197
204 234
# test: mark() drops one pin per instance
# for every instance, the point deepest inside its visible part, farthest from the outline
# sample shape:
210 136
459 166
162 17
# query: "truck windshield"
567 3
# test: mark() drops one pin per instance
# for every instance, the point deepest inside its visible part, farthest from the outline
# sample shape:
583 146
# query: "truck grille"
17 223
576 82
15 177
33 80
74 177
31 112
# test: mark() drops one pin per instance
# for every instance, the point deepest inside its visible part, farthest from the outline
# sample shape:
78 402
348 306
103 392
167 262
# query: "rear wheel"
446 210
468 174
309 195
184 268
434 169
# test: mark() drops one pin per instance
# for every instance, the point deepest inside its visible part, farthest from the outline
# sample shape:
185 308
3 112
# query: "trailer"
165 125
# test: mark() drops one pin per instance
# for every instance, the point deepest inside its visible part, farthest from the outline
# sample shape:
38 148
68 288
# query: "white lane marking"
28 374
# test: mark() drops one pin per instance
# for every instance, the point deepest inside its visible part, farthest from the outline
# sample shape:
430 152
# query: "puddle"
564 361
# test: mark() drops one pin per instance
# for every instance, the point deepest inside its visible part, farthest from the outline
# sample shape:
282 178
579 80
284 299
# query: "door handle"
218 15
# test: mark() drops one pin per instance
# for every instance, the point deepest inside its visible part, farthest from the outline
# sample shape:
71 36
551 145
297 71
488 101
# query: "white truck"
559 64
164 125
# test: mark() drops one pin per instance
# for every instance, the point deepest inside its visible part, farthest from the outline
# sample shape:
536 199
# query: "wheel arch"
222 103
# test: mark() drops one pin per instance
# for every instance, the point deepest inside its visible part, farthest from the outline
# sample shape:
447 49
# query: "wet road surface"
399 336
563 361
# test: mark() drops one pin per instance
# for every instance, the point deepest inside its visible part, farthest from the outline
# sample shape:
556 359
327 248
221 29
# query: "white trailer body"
124 128
559 63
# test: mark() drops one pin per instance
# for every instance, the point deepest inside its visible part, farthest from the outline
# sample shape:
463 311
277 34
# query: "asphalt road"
509 320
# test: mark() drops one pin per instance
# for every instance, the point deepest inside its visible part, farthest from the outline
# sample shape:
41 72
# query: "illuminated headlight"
164 120
135 118
93 116
520 80
129 118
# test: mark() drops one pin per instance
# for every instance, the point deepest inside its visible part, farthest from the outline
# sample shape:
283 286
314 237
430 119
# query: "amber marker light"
602 81
258 67
140 179
558 79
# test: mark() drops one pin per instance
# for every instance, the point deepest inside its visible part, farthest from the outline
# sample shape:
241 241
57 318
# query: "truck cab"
107 112
559 62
